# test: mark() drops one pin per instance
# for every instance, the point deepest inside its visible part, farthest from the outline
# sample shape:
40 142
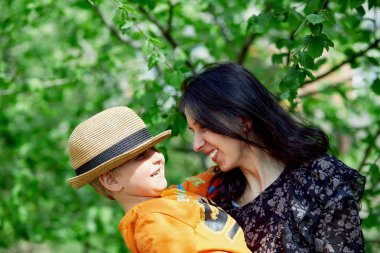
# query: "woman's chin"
224 168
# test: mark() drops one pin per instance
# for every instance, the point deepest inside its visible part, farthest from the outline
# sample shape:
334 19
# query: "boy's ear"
110 182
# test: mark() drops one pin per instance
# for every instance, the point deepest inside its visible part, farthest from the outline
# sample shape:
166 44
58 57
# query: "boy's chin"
161 187
164 185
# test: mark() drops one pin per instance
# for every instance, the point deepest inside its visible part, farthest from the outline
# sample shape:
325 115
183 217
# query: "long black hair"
223 96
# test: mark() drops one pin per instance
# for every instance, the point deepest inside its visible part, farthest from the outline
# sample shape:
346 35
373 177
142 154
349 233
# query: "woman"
277 181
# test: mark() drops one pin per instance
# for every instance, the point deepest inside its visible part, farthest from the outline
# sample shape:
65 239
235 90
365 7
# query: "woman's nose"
198 142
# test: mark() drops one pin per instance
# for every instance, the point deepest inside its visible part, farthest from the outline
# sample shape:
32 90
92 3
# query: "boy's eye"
140 156
146 154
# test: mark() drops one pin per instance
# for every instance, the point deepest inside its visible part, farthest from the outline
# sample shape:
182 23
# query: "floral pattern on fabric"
311 208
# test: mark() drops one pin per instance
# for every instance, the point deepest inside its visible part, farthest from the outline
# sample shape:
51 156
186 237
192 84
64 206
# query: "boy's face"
144 175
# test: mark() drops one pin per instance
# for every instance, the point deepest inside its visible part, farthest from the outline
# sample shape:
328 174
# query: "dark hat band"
119 148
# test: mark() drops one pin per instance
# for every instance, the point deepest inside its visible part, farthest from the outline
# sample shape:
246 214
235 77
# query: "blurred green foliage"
63 61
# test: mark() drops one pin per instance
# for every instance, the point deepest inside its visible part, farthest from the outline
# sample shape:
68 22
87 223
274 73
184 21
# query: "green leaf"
371 221
306 60
295 19
301 76
258 24
371 3
316 29
152 60
327 15
328 43
312 6
252 24
285 93
373 60
128 8
156 41
300 28
291 74
175 78
309 74
280 42
307 39
278 58
119 17
349 52
376 86
315 19
320 62
315 47
177 122
294 59
356 3
148 47
148 99
128 24
375 173
355 64
360 10
264 19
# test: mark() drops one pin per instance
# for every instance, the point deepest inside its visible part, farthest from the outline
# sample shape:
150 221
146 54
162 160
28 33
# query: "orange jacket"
180 222
200 184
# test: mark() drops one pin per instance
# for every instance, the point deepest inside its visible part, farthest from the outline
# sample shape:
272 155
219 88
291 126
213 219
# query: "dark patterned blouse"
312 208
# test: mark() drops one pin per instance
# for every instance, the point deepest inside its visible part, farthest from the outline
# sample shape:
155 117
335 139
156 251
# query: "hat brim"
85 178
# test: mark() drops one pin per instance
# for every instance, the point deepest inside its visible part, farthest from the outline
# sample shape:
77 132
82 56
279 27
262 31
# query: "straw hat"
107 140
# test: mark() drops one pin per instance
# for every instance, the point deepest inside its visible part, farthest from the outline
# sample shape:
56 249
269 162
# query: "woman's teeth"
155 173
213 153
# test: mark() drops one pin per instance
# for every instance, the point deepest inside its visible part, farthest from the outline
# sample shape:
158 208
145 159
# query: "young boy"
113 152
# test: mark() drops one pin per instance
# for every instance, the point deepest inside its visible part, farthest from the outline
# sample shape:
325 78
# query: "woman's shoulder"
322 177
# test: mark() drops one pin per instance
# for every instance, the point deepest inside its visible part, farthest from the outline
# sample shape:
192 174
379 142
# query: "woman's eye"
202 128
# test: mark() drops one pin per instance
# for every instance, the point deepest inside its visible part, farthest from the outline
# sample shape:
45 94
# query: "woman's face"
226 152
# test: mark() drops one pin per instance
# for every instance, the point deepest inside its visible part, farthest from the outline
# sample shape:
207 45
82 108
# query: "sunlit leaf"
315 19
128 24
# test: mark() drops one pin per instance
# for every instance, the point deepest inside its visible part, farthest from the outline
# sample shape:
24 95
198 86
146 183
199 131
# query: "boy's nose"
198 142
158 157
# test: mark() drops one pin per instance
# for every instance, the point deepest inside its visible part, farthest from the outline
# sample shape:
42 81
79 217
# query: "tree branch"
378 180
44 85
248 40
373 241
326 4
114 31
170 19
244 50
226 35
349 60
368 151
166 32
314 92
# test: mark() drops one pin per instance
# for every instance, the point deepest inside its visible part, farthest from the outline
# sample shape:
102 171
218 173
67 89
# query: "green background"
63 61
